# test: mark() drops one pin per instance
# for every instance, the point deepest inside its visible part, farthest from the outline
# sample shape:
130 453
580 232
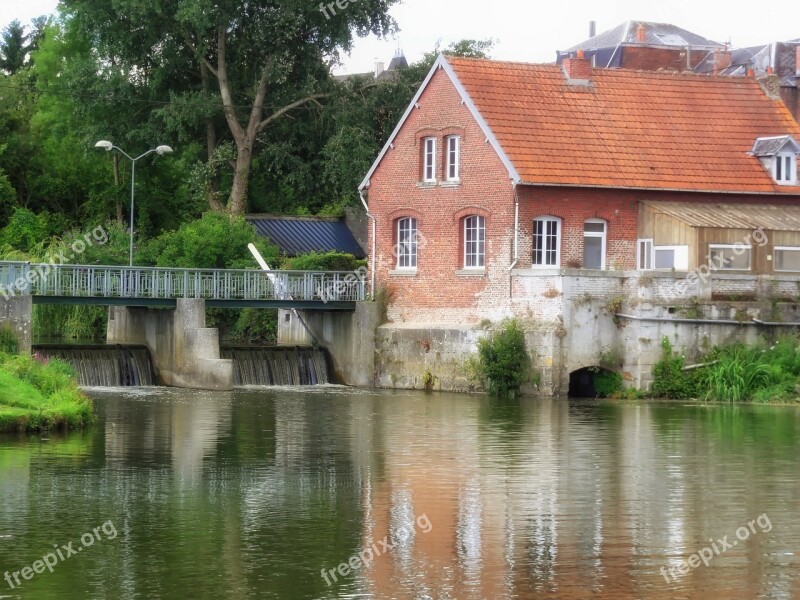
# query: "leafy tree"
503 360
267 59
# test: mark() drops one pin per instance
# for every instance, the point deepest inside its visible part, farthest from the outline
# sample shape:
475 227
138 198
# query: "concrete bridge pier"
17 313
185 352
349 338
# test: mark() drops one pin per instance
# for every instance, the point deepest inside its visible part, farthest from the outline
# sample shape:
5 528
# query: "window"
785 168
547 242
787 258
407 243
730 257
671 258
474 242
428 159
644 259
594 244
453 161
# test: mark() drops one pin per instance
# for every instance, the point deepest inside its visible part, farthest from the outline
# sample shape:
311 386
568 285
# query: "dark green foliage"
14 47
323 261
607 383
214 241
669 378
503 360
9 343
25 231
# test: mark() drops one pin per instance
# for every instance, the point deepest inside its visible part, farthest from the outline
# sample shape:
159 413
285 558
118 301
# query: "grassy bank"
37 395
764 373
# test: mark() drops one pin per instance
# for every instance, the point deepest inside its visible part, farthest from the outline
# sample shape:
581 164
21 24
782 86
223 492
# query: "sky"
532 31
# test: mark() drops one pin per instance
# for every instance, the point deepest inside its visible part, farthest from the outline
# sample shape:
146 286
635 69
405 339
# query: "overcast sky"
529 30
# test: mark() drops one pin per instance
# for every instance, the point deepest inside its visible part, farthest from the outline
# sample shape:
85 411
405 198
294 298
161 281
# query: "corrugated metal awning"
300 235
731 216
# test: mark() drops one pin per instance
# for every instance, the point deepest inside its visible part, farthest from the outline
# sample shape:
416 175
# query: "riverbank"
37 395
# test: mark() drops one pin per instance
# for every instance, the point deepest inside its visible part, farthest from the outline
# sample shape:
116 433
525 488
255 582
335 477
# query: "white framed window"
429 159
644 257
733 257
407 238
453 164
594 244
787 258
547 242
474 242
785 168
668 258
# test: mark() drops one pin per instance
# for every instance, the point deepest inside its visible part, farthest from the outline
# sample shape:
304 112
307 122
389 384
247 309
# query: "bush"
504 360
669 378
607 383
25 231
323 261
214 241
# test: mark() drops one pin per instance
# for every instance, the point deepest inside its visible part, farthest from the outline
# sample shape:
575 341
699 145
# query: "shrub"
323 261
607 383
504 360
669 378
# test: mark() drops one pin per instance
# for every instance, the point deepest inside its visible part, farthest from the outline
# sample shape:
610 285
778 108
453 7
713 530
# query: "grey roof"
300 235
772 217
770 146
398 62
656 34
759 58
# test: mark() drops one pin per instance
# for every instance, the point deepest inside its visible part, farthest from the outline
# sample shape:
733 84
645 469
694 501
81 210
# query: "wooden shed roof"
730 216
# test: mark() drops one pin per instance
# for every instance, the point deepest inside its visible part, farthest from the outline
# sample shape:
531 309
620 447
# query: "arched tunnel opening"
590 382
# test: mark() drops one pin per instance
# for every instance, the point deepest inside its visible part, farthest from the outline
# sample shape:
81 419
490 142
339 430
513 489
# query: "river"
270 494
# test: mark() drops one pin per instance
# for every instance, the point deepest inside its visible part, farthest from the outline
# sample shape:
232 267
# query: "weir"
277 366
104 365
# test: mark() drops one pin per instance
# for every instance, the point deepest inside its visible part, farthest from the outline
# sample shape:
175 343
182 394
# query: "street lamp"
160 150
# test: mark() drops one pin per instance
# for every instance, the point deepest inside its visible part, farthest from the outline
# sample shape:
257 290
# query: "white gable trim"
441 63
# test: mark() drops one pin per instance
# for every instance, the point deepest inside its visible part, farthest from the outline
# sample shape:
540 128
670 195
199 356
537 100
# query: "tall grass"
737 374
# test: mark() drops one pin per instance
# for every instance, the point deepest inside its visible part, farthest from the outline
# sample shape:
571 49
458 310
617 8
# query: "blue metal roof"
300 235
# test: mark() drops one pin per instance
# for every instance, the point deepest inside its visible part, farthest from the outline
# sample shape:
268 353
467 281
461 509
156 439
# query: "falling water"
277 366
105 366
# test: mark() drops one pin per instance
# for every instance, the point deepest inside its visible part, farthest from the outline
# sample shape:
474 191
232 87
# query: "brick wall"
438 293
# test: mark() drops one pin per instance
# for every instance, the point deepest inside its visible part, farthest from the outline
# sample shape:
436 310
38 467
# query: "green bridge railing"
84 281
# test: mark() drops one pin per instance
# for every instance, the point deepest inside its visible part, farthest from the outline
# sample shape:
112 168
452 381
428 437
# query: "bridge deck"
154 286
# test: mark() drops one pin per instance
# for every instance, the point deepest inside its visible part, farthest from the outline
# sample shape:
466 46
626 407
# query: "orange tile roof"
631 129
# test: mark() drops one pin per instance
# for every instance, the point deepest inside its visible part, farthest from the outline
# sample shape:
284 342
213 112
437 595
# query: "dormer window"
778 155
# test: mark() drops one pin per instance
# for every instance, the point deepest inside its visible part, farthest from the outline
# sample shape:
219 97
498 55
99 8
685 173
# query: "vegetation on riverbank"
37 394
762 373
503 360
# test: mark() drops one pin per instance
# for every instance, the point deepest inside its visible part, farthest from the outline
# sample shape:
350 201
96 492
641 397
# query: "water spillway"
104 365
277 365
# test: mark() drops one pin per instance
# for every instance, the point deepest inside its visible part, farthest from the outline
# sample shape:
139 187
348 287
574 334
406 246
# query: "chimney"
722 60
641 34
771 84
379 67
797 61
593 29
577 69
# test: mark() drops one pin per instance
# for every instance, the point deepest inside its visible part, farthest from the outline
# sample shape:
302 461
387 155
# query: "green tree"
266 59
14 47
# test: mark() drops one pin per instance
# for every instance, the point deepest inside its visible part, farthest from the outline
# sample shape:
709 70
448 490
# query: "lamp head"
162 150
105 145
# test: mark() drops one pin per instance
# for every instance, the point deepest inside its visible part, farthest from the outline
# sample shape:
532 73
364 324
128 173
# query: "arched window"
474 242
594 244
547 242
407 238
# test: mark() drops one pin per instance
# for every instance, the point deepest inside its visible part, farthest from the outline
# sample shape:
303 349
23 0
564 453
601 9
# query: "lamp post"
160 150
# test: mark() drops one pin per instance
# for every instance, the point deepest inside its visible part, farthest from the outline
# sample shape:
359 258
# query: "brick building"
503 178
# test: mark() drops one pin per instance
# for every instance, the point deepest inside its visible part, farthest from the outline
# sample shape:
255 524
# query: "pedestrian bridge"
161 287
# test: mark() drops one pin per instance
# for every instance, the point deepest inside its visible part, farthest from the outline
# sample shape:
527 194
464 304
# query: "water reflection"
253 493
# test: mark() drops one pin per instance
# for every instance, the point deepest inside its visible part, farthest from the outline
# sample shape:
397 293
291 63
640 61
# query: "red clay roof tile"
628 128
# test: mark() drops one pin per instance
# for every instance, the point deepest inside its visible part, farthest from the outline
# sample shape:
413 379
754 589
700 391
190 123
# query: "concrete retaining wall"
185 352
349 338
